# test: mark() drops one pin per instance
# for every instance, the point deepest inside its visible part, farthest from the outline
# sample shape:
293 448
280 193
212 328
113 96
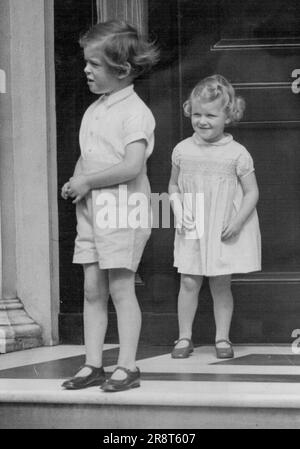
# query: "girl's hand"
231 230
250 190
178 213
78 188
189 226
178 224
188 222
65 191
183 225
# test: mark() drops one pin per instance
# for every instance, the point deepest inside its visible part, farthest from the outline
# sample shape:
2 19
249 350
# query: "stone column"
29 295
132 11
17 330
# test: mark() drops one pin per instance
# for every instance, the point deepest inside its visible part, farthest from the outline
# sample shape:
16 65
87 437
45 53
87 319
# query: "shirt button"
89 150
96 118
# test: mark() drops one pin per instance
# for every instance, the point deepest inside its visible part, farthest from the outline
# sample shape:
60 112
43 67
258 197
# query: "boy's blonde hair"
212 88
121 44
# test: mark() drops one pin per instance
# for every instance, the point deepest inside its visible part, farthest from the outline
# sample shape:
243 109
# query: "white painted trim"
52 166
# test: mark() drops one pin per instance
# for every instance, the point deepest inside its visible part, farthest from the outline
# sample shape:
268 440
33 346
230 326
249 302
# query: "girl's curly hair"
212 88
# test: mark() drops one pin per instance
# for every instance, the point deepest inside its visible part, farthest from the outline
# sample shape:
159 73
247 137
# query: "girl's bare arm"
175 197
251 194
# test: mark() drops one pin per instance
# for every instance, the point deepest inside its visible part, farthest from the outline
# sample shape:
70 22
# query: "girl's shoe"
224 353
132 380
182 353
95 378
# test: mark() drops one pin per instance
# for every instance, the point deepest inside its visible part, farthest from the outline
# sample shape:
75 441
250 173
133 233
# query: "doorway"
256 45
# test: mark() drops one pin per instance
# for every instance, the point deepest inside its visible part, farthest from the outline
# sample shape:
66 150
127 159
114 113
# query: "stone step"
259 388
160 405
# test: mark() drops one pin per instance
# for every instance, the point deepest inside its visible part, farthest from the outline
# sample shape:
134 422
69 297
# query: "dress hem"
222 273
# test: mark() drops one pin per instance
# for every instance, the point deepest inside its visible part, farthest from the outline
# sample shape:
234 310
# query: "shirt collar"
226 139
120 95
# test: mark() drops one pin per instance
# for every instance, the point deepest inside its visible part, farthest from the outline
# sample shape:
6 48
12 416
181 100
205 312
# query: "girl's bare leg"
187 305
220 287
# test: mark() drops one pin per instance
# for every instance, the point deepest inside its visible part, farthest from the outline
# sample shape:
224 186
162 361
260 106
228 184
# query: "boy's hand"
231 230
78 188
65 190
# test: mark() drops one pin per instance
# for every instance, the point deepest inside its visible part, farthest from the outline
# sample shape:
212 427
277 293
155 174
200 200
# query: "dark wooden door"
256 45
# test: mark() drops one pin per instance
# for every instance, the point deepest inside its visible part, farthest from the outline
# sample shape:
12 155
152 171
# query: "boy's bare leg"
122 290
96 295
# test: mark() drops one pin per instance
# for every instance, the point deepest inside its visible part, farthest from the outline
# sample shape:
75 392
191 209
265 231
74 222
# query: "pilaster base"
17 330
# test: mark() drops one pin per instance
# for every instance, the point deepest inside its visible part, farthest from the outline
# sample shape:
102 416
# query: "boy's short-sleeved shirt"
111 123
108 126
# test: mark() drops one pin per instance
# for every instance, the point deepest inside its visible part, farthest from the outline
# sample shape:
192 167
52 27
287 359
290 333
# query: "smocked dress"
111 227
209 179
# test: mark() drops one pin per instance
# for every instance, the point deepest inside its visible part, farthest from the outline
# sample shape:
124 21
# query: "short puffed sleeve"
245 164
176 157
138 125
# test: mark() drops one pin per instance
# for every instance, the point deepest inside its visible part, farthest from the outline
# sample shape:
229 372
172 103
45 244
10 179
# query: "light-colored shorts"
110 247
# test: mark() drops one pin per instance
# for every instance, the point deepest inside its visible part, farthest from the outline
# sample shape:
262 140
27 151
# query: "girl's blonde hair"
213 88
121 44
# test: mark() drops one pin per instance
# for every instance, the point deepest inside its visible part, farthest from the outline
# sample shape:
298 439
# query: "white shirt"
111 123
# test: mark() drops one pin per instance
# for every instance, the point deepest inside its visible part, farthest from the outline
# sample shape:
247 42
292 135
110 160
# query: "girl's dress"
112 227
213 171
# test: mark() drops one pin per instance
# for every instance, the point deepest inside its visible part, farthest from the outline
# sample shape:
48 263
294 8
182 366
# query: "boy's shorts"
111 246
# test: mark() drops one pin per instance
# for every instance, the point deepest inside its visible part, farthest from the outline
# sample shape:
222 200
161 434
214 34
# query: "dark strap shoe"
184 352
224 353
95 378
132 380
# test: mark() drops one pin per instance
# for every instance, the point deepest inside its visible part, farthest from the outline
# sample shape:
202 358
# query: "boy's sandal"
132 380
184 352
224 353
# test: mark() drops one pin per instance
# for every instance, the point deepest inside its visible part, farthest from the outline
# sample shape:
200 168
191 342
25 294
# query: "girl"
220 170
116 139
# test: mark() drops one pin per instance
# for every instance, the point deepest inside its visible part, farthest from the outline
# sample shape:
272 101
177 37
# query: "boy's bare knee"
95 284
